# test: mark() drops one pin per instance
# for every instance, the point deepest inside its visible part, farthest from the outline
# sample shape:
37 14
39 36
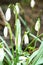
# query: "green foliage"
18 56
38 58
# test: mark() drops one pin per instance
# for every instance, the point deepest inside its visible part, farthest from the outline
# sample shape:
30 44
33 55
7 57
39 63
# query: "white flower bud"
26 39
32 3
8 14
2 54
5 31
37 25
17 9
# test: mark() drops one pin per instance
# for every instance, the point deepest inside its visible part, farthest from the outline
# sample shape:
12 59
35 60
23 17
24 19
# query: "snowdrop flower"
37 25
32 3
26 39
22 58
5 31
8 14
17 9
2 54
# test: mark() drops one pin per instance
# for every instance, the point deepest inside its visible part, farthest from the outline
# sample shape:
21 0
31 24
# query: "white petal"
5 31
2 54
26 39
32 3
8 14
36 27
22 58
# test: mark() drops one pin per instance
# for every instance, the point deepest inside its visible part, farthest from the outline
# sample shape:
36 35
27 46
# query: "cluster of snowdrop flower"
32 4
7 17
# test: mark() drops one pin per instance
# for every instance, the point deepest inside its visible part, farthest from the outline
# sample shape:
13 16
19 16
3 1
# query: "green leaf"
1 63
40 61
4 43
40 53
33 55
18 35
8 59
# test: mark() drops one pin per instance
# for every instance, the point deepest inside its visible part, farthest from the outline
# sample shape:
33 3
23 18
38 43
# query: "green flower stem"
41 35
9 61
29 44
35 37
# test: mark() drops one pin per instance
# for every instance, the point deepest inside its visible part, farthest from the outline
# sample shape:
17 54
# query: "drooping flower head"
8 14
37 25
5 31
26 39
32 4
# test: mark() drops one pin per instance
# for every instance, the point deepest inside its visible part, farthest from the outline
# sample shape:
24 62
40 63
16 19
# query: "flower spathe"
2 54
8 14
5 31
17 8
37 25
32 4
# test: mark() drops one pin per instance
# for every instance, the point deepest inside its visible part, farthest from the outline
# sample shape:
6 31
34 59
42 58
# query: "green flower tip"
1 45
